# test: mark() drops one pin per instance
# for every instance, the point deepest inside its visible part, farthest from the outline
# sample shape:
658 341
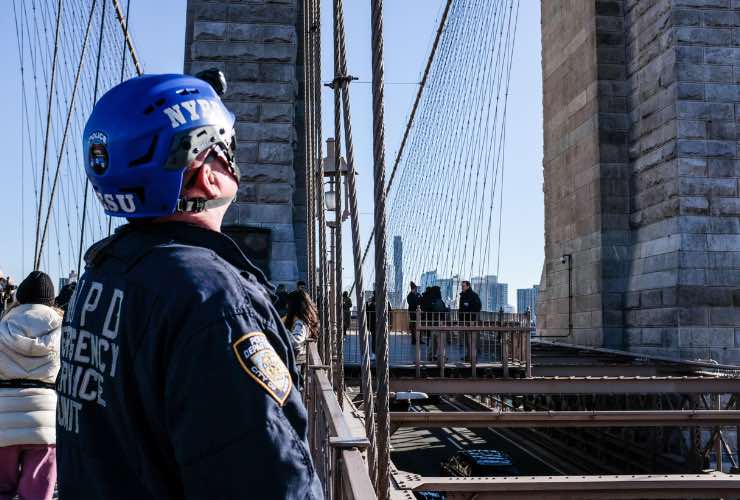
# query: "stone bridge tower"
642 173
257 45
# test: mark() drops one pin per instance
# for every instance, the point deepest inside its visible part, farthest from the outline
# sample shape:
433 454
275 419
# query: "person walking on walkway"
29 362
370 312
413 301
346 311
470 306
302 321
178 378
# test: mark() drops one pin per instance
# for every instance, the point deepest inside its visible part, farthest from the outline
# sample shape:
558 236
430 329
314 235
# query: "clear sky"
158 30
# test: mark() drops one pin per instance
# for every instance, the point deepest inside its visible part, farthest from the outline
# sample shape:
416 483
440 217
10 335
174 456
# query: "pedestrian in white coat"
30 334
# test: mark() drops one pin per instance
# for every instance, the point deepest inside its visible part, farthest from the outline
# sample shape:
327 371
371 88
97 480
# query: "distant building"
499 298
428 278
72 278
450 288
526 298
397 297
485 287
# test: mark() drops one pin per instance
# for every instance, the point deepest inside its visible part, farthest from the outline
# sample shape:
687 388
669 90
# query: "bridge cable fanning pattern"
449 182
64 104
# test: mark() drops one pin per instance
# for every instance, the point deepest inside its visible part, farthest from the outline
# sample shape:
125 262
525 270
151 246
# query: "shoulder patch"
258 358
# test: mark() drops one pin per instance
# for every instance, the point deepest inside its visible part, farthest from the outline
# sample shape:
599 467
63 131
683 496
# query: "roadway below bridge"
422 450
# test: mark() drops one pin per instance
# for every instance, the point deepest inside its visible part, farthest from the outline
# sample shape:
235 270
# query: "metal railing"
476 340
336 450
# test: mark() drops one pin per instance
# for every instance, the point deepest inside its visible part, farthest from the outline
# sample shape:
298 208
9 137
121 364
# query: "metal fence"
452 339
337 452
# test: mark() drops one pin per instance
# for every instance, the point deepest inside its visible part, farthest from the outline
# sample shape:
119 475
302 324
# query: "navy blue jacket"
178 379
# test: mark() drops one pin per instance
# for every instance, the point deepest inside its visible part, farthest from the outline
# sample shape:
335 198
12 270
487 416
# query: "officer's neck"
208 219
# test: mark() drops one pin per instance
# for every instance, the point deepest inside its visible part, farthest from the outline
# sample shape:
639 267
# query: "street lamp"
330 201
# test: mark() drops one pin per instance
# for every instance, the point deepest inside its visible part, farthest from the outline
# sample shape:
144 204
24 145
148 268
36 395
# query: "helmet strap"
196 205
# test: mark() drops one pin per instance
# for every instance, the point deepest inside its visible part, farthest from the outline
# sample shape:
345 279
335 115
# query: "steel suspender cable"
36 252
338 305
123 21
94 100
381 303
365 373
64 136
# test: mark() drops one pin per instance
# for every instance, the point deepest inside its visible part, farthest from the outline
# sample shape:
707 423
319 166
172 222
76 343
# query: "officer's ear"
201 182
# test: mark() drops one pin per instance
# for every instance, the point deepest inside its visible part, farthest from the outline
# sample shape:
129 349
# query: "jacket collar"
149 235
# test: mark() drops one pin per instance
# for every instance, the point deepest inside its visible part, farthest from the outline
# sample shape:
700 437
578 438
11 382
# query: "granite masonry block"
209 30
274 192
264 92
267 173
244 111
703 4
703 36
265 33
243 51
725 316
276 72
283 270
264 213
265 132
277 112
706 337
277 153
263 13
246 151
242 72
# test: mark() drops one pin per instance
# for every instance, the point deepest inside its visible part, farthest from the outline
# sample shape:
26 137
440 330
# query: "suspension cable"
123 21
381 303
365 372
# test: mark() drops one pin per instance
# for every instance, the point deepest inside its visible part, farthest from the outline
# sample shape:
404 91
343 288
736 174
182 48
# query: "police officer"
178 379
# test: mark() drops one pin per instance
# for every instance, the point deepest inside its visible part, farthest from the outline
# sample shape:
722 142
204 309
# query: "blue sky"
158 30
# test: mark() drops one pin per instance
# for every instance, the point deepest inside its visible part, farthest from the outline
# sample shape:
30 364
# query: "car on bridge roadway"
479 463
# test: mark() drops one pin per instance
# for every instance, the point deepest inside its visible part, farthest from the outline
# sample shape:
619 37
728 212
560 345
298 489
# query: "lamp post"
334 168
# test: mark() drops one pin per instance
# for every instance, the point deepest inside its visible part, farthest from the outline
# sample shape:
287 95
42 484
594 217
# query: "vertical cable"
94 100
365 372
381 302
339 306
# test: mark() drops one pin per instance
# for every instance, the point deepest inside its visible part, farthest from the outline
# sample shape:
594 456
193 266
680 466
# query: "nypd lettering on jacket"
89 352
192 110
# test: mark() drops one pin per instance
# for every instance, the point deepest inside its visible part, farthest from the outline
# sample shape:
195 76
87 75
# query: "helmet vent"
187 91
160 101
147 157
149 110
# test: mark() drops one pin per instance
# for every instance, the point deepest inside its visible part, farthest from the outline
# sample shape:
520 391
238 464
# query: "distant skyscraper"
450 288
499 299
527 298
398 271
428 278
485 287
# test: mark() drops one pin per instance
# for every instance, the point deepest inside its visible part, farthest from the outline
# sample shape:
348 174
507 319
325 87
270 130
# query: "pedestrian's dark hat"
37 288
413 285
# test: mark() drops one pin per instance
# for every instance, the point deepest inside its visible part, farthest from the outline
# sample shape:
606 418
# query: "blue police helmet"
144 133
